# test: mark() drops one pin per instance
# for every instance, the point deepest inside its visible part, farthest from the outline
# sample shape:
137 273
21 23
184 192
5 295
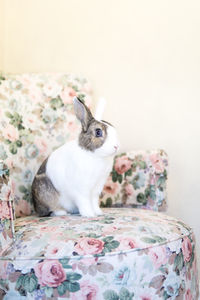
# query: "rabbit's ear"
100 109
83 113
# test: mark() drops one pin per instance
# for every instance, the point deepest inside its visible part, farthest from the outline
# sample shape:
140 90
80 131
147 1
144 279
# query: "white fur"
100 109
79 175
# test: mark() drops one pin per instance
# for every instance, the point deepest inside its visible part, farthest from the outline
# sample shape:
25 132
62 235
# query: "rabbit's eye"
98 132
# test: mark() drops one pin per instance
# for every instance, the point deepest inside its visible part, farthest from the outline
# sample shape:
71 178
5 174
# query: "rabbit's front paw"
58 213
98 211
87 213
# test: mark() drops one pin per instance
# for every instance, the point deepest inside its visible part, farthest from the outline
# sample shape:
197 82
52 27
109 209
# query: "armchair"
133 251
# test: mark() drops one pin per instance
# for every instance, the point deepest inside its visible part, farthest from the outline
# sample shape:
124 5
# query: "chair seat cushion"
117 230
124 252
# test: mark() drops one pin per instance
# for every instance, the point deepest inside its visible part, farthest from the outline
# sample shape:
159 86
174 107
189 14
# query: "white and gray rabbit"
71 179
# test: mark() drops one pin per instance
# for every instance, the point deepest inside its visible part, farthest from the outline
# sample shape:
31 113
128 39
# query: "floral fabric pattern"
124 254
6 208
36 117
126 229
138 179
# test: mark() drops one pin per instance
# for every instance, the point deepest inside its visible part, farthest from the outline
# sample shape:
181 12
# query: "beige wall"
1 33
143 56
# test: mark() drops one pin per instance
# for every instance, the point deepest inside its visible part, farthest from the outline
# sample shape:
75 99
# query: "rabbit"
71 179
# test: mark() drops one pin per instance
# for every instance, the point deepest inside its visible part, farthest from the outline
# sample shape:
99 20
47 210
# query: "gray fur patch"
82 113
88 139
45 196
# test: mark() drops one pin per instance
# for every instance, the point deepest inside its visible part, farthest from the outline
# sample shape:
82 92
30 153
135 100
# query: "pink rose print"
10 163
22 208
4 210
158 256
89 246
49 229
50 273
122 164
3 269
145 296
188 295
129 190
187 249
153 179
126 243
111 187
52 89
88 291
52 250
157 163
42 145
10 133
58 249
67 95
108 230
35 94
25 80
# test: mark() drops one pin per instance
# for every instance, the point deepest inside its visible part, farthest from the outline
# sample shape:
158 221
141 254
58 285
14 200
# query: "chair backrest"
36 117
138 179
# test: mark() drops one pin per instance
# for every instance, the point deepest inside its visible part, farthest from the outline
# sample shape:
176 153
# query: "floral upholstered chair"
132 251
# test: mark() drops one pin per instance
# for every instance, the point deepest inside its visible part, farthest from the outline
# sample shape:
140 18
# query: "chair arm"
6 209
138 179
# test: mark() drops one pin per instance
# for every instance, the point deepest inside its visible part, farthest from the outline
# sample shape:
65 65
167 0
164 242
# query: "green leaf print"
56 103
72 286
110 244
19 282
114 176
26 191
142 164
108 239
30 283
82 97
8 114
108 203
178 263
62 288
110 295
72 277
27 282
124 294
148 240
159 239
15 120
129 173
150 191
2 78
13 148
119 178
18 143
64 262
7 142
141 198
